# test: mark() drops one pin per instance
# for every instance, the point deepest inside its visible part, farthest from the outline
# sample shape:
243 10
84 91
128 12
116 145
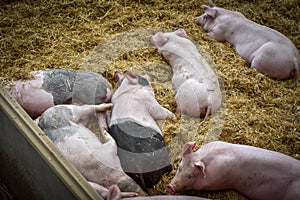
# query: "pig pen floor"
256 110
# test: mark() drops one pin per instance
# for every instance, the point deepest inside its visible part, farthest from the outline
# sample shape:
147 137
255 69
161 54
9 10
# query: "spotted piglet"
115 194
96 160
141 148
47 88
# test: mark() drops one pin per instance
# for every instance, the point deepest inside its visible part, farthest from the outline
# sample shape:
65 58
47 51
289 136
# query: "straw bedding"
105 36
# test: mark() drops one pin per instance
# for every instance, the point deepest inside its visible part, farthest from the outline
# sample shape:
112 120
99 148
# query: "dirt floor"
105 36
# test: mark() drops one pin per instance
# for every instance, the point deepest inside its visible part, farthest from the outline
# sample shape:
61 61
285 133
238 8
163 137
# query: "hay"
257 111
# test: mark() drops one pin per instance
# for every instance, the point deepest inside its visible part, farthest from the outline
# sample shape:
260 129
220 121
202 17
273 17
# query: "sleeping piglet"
52 87
114 193
267 50
258 173
141 148
96 160
197 87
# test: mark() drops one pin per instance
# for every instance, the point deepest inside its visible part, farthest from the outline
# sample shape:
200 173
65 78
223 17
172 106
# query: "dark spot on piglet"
143 81
56 123
142 152
71 86
127 185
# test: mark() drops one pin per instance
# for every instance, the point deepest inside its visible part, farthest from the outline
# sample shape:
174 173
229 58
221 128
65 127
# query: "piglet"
141 148
97 161
115 194
59 86
197 88
255 172
267 50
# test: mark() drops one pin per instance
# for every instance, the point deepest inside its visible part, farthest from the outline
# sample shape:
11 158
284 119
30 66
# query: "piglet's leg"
100 189
208 111
80 112
115 193
159 112
101 116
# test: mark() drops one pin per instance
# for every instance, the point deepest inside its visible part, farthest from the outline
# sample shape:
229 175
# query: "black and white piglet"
141 148
97 161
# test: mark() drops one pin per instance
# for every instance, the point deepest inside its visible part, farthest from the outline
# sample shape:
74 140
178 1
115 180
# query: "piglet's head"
188 155
168 44
190 170
137 79
206 20
160 39
132 79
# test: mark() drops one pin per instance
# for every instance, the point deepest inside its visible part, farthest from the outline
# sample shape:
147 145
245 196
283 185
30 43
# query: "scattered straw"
258 111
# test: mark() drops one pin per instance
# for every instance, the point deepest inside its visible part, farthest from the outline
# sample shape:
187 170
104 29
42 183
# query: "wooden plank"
31 165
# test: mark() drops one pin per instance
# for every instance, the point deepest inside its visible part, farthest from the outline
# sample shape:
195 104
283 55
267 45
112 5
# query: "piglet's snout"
151 40
170 189
196 20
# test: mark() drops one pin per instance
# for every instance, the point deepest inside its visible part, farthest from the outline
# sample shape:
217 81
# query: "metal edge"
76 183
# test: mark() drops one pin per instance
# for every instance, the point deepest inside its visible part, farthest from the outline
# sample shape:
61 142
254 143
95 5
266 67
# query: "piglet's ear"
159 39
181 32
118 75
114 192
132 79
210 11
201 166
211 3
188 147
